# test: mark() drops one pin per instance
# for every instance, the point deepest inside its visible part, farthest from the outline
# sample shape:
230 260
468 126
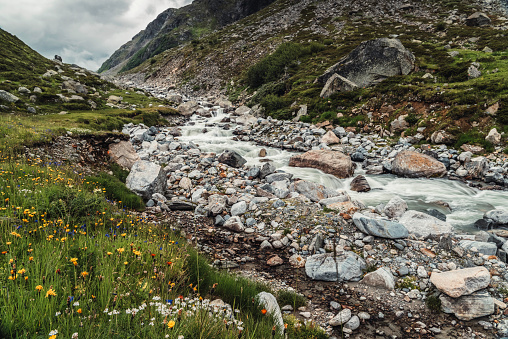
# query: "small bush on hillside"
274 103
271 67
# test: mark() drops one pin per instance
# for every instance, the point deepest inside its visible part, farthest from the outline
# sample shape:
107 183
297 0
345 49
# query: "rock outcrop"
368 64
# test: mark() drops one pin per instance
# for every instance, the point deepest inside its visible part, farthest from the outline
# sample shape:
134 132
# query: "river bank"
263 219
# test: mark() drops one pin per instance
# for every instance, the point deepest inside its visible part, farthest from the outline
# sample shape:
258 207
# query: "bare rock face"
457 283
416 165
360 184
372 62
330 162
123 154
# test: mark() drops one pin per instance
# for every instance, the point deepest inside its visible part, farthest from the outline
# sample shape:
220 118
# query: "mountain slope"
17 58
31 83
322 32
176 26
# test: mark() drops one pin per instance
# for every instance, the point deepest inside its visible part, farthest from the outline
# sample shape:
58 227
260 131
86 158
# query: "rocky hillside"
33 84
174 27
456 85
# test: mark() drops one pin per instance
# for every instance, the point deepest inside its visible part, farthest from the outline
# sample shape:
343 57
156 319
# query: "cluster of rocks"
273 213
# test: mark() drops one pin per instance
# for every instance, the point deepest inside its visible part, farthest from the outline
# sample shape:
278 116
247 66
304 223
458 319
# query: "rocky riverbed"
368 270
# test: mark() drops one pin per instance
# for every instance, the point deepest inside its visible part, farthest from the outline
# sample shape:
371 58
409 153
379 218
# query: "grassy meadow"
79 259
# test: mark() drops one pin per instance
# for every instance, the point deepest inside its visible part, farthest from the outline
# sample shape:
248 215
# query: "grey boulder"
395 208
346 266
239 208
478 19
497 217
145 179
423 225
269 302
372 62
234 224
380 227
476 305
232 158
487 248
6 96
381 278
314 192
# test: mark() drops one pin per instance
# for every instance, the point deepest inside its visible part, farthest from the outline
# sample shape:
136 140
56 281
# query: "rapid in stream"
467 204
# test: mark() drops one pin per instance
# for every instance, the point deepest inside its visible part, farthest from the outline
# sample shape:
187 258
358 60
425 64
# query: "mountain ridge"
176 26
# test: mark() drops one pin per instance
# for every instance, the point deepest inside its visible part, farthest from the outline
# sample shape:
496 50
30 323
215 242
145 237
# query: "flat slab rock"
461 282
423 225
380 227
347 266
313 191
416 165
331 162
468 307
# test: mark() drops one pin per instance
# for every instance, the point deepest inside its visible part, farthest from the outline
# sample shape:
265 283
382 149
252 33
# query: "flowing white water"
468 204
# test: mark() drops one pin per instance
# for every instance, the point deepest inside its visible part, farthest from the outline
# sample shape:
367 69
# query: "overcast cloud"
83 32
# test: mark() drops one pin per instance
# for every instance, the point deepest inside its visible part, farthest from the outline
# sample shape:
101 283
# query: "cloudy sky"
83 32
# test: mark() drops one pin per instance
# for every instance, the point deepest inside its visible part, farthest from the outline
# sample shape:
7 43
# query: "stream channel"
467 204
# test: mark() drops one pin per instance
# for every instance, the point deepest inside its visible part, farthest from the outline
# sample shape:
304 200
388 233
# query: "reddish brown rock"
416 165
123 154
360 184
330 138
275 261
461 282
331 162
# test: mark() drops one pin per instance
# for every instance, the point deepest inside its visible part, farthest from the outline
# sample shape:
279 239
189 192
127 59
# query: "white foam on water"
468 204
